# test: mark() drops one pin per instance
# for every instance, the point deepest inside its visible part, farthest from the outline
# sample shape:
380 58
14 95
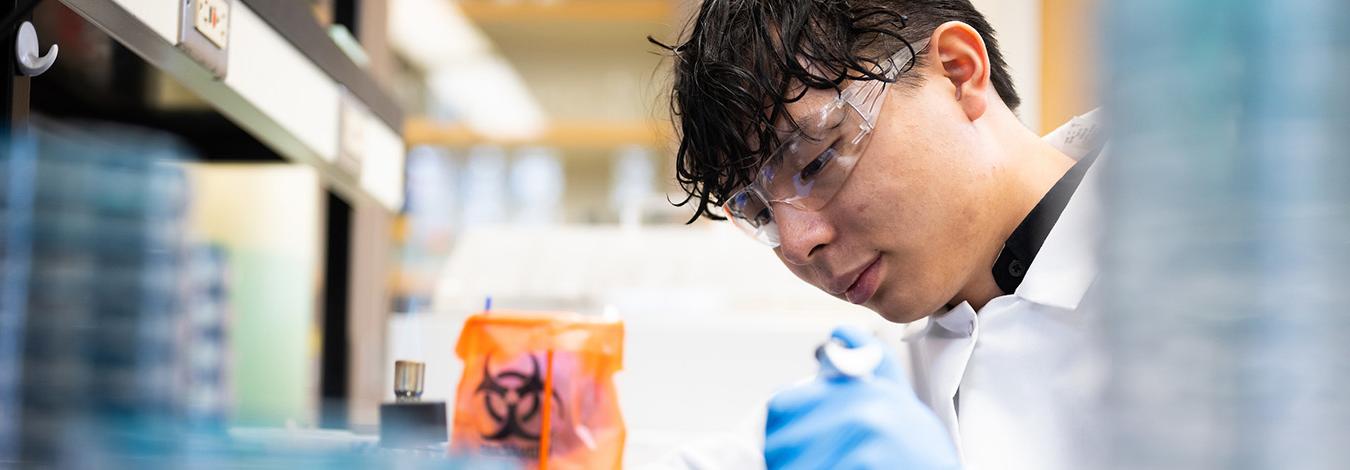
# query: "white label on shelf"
382 163
352 138
212 19
279 80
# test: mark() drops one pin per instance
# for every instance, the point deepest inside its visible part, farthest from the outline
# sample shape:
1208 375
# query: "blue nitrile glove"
858 413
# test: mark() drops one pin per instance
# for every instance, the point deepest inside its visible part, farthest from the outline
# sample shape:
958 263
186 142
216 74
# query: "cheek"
913 199
858 210
863 208
923 186
883 195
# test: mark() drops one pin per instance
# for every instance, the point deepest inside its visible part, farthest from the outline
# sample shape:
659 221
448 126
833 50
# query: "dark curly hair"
738 68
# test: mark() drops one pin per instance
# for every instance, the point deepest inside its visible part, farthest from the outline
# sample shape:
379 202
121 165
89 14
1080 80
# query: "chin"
903 317
899 311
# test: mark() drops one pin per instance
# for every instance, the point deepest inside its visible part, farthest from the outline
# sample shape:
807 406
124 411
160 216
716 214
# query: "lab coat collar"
919 328
1066 266
956 321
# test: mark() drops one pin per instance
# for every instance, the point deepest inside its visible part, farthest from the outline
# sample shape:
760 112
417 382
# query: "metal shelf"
286 84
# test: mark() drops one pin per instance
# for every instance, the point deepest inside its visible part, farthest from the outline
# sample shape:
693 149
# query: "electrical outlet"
212 19
204 32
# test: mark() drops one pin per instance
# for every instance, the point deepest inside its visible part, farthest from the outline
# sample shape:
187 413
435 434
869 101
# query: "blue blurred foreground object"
1227 241
859 412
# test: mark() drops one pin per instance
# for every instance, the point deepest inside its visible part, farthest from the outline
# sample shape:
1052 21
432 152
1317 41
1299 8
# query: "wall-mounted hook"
26 51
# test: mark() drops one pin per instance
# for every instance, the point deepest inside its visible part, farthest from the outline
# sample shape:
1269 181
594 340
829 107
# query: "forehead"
806 110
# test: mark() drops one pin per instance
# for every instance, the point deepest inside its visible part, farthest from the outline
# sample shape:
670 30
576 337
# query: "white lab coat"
1028 365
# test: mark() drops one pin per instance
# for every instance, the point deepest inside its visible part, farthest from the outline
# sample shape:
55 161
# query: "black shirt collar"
1021 247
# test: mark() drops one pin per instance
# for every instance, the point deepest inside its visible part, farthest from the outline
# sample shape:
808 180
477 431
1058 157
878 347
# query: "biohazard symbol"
512 399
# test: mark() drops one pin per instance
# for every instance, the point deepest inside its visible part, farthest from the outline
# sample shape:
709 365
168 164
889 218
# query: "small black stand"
414 424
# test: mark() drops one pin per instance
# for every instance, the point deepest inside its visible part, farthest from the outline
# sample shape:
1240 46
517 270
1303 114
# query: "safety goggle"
810 166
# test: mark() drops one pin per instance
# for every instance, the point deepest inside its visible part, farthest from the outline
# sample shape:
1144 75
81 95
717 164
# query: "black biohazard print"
513 400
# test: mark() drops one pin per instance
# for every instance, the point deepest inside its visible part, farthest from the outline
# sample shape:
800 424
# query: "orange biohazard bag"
537 389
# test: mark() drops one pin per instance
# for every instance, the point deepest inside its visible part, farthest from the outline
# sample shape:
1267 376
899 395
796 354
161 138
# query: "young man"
873 145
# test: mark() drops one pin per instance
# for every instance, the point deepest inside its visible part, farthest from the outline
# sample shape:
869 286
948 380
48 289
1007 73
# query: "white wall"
1017 25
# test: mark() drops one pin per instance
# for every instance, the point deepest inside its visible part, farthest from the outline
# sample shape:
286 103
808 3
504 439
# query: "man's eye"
763 217
816 166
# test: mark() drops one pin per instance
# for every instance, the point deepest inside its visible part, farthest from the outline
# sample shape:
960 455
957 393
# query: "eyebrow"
813 120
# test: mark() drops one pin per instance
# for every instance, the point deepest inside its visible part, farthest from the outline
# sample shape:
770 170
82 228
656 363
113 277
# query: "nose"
801 234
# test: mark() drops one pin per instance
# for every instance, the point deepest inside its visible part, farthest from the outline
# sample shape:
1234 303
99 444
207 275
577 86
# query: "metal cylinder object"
409 377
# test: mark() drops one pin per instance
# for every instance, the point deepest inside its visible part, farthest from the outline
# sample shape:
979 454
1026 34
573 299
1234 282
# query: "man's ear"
960 51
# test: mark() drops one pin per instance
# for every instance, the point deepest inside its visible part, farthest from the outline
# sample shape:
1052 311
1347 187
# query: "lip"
865 286
840 285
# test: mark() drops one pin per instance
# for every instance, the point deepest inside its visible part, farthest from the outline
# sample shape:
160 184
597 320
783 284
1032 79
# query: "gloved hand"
859 413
